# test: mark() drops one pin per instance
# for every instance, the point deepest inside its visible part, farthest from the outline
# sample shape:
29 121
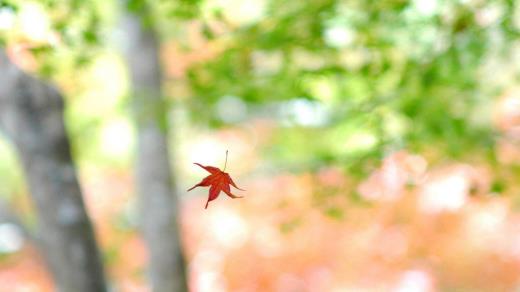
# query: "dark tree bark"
158 201
31 114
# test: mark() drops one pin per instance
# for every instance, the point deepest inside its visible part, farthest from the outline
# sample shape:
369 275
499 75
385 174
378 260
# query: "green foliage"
10 171
362 78
8 4
392 72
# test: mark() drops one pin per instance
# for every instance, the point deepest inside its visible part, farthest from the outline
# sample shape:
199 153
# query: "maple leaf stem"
225 163
218 181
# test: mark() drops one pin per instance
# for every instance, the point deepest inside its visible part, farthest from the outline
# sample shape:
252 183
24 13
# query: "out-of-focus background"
378 141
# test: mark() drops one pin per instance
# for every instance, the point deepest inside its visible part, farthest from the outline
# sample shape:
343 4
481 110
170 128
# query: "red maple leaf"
218 181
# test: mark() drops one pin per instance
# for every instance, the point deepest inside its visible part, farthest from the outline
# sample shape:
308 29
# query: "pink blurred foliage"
108 196
280 237
388 182
434 229
506 117
177 60
21 55
422 226
24 271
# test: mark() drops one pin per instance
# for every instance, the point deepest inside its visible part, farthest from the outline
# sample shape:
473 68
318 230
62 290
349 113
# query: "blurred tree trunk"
31 114
158 201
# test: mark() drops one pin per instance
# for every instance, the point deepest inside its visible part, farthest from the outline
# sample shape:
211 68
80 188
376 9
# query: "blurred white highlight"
304 112
34 22
415 281
117 137
338 36
11 238
228 228
231 109
7 19
445 192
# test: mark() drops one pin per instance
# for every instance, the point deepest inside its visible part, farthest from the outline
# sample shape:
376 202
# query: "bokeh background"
378 141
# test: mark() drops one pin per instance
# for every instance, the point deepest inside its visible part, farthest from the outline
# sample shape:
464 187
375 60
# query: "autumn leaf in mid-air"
217 181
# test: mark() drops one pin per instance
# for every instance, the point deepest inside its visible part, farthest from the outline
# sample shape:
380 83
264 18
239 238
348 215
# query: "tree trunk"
31 114
158 202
